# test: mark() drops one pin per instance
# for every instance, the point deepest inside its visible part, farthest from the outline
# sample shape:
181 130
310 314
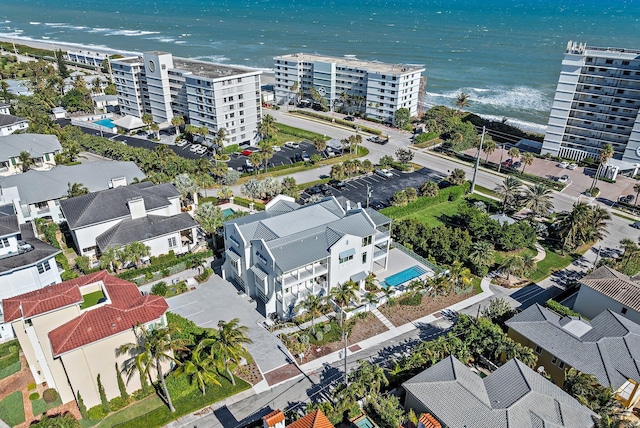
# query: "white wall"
21 281
85 237
10 129
591 303
339 273
160 245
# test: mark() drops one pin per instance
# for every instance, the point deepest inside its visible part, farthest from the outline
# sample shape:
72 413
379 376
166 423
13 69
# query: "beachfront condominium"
597 102
375 89
205 94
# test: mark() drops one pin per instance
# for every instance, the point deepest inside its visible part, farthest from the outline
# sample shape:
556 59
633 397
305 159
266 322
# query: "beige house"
69 332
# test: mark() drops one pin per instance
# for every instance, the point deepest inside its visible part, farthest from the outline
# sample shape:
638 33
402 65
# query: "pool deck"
398 262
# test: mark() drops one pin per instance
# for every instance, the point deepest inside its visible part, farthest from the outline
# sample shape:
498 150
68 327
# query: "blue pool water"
404 276
107 123
365 423
227 212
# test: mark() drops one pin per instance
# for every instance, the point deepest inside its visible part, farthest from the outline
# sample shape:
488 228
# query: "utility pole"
475 170
346 374
369 191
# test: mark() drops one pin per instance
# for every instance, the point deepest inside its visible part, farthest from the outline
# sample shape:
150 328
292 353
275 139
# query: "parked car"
507 162
315 190
277 148
563 164
338 184
292 145
297 157
626 198
376 205
305 156
572 166
329 152
350 118
636 225
325 189
246 152
384 173
249 168
516 165
564 179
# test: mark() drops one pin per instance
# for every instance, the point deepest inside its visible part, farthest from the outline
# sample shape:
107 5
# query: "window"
364 257
44 266
366 241
554 360
173 242
538 350
561 364
4 242
623 311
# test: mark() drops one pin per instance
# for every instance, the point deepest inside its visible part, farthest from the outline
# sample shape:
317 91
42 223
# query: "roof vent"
113 324
118 318
89 328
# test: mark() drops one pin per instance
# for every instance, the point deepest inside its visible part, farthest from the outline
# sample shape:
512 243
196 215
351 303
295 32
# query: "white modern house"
597 102
10 123
26 263
42 149
33 200
141 212
287 251
383 87
87 57
205 94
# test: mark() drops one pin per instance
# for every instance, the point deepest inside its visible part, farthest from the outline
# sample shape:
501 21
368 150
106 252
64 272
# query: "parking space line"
181 306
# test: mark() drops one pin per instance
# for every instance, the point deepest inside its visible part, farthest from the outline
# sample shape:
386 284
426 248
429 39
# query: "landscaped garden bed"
400 314
9 358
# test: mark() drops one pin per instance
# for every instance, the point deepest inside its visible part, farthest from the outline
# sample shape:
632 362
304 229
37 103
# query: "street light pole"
346 374
368 194
475 170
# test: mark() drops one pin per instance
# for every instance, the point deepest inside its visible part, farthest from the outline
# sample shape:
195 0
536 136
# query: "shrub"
304 339
96 412
319 336
103 396
83 263
118 403
326 328
413 300
159 289
561 309
82 407
32 386
50 395
34 396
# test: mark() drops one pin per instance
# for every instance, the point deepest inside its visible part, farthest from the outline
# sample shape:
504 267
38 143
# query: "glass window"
364 257
173 242
554 360
538 350
4 242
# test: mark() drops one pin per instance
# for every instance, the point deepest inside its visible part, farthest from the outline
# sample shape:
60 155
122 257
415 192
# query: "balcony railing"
303 274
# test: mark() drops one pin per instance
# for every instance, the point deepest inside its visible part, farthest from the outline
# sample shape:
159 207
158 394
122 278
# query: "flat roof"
352 61
209 69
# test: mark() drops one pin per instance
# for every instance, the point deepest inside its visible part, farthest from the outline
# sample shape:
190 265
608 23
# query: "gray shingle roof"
9 225
9 119
143 229
615 285
607 347
39 252
512 396
111 204
36 144
95 176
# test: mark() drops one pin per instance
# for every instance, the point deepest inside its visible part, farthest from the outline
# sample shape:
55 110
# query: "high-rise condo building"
597 103
373 88
205 94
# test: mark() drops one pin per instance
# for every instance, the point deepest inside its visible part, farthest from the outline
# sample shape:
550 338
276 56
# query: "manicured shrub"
326 328
97 412
50 395
319 336
34 396
82 407
121 386
304 339
159 289
103 396
118 403
31 387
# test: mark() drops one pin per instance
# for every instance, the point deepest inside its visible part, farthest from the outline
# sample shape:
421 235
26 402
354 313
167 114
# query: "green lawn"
9 358
40 406
551 263
12 409
435 215
140 408
91 299
501 255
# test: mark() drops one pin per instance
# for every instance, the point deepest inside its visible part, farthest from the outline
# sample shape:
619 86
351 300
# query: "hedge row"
154 269
301 133
245 203
444 195
326 118
562 310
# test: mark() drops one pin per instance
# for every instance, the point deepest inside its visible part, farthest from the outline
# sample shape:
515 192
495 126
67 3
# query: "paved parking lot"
217 300
383 188
284 156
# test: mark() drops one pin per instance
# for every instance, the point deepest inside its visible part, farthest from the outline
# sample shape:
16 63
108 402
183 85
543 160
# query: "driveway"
217 300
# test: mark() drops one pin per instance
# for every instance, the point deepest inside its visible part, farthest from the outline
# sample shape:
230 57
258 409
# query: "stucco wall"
28 279
591 303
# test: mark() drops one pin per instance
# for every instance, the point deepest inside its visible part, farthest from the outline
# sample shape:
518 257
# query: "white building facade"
205 94
383 88
597 102
283 254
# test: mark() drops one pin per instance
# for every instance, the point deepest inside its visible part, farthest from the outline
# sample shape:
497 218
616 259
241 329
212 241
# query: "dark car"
626 198
350 118
636 225
508 162
376 205
297 157
338 184
325 189
516 165
315 190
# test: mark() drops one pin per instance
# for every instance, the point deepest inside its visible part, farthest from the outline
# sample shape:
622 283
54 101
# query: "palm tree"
266 149
462 101
343 294
267 127
136 250
606 153
110 259
319 144
509 191
256 159
220 137
514 153
25 160
488 147
76 189
538 199
629 248
314 305
429 188
229 348
153 347
457 176
482 253
147 119
513 265
527 159
571 223
200 368
177 122
598 221
636 188
459 274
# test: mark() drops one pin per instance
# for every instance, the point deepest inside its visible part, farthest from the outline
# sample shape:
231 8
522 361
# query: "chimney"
348 202
117 182
274 419
136 208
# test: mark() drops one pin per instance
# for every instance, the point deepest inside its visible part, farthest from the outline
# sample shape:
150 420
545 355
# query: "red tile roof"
315 419
127 308
428 421
273 418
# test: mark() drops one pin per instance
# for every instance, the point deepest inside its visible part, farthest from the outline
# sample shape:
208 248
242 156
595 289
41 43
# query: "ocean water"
505 53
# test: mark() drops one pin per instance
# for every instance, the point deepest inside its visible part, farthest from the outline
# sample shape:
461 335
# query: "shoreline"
268 75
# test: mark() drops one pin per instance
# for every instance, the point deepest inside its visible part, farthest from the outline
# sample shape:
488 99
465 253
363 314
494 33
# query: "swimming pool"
227 212
364 422
404 276
107 123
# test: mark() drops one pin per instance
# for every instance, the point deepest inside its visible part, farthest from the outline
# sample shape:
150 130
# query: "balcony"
303 274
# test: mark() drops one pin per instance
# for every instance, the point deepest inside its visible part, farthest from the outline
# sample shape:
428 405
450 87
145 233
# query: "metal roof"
36 144
512 396
262 275
615 285
233 256
607 347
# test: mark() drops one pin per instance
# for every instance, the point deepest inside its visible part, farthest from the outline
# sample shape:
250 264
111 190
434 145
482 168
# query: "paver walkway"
542 253
382 318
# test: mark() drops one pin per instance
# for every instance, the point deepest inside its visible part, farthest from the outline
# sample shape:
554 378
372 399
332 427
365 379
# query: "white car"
564 179
181 143
563 164
572 166
384 173
277 148
292 145
194 148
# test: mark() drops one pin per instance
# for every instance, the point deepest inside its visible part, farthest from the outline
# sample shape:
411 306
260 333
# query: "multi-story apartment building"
382 88
205 94
288 251
597 102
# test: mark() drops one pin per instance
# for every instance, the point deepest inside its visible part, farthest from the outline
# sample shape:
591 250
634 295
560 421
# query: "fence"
436 269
